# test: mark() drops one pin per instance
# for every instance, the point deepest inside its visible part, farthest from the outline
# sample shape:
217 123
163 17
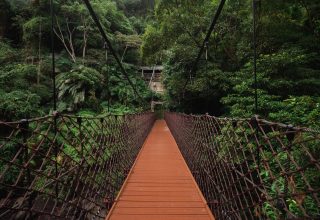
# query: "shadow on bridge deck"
160 186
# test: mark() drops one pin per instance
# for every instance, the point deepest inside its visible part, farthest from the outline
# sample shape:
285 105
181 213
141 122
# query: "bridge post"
255 125
79 121
290 134
254 122
56 152
24 123
102 132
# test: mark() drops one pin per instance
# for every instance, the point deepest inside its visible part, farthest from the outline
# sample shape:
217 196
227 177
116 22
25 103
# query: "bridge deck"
160 186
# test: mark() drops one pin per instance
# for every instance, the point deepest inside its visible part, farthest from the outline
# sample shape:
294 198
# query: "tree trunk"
85 40
67 43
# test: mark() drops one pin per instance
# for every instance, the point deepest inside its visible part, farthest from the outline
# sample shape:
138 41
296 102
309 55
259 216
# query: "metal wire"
255 55
194 67
113 52
221 153
53 59
80 180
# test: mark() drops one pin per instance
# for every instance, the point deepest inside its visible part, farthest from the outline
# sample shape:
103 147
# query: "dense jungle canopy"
278 164
168 33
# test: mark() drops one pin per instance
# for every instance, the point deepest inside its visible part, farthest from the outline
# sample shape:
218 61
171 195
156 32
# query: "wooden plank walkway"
160 186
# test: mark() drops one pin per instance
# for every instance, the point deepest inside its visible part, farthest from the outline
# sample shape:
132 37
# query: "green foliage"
18 104
288 62
32 26
120 91
283 74
7 53
152 41
136 7
24 75
301 110
21 96
78 86
90 83
82 79
118 109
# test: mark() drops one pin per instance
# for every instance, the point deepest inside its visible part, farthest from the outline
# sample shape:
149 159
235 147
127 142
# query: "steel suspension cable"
254 12
103 34
55 115
53 58
205 41
254 41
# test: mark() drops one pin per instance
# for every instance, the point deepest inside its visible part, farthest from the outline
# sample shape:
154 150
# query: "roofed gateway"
153 77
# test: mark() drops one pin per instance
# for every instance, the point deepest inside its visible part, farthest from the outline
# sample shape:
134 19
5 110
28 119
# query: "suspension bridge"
136 166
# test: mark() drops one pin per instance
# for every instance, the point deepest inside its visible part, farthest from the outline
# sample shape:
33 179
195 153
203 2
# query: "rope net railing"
251 169
67 167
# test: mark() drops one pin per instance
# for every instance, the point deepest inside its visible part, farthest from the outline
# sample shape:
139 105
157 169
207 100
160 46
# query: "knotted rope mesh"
67 167
251 169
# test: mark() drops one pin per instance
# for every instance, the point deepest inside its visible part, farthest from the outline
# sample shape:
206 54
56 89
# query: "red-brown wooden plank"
160 185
